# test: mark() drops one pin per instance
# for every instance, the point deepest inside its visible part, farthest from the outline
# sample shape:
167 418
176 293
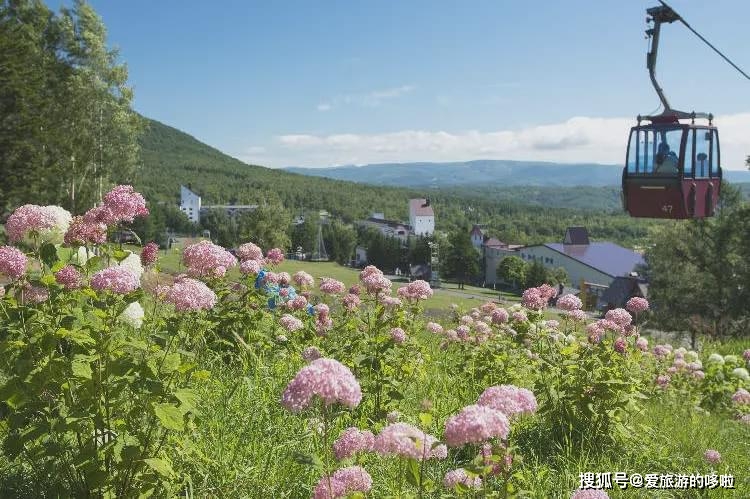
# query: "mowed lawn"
443 298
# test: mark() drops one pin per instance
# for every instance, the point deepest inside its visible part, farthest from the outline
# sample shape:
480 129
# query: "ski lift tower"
434 265
320 254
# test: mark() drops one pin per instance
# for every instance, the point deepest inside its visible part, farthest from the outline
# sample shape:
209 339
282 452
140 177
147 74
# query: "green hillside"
170 157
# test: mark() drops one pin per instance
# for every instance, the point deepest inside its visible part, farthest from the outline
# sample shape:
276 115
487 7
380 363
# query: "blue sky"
303 83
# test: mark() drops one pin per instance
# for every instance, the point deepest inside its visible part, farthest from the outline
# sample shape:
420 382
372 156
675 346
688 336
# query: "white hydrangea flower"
731 359
716 358
741 373
133 262
691 356
133 315
82 256
62 219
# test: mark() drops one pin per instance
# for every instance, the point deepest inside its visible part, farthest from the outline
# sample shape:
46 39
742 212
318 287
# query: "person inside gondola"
666 161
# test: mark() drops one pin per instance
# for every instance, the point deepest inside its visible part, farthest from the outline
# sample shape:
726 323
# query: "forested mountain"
497 173
170 157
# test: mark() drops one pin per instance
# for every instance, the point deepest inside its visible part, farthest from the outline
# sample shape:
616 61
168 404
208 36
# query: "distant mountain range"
484 173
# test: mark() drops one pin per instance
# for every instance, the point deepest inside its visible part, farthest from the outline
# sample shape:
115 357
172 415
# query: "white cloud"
579 139
370 99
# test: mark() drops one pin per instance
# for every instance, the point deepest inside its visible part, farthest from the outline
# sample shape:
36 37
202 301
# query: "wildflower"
331 286
620 345
12 262
189 295
641 344
662 381
476 424
454 477
661 351
398 335
326 378
120 280
569 302
509 399
712 456
149 254
274 256
133 315
206 259
68 277
290 323
402 439
352 441
637 305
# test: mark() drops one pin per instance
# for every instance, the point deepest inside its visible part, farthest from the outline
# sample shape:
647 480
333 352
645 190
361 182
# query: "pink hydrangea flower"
402 439
48 223
303 279
476 424
374 281
519 316
251 267
149 254
712 456
620 345
746 355
206 259
488 307
81 232
662 351
369 271
454 477
499 316
569 302
290 323
390 302
351 302
189 295
589 494
466 320
311 353
12 262
352 441
343 482
249 251
68 277
297 303
576 315
355 290
123 204
534 299
619 316
642 344
33 295
416 291
117 279
331 286
326 378
637 305
434 327
699 375
741 396
274 256
398 335
509 399
662 381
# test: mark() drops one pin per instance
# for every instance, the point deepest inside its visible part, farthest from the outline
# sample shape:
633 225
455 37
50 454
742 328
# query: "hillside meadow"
130 372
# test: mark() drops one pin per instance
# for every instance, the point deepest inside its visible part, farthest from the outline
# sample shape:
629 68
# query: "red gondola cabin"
672 170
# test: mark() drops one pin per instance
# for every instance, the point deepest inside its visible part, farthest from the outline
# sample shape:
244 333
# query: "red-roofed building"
421 217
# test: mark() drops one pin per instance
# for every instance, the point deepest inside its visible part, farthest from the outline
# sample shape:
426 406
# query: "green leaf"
412 475
188 399
426 419
312 460
120 255
77 336
169 416
48 254
81 367
161 466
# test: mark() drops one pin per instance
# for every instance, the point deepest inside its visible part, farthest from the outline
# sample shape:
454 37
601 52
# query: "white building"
421 217
190 204
389 228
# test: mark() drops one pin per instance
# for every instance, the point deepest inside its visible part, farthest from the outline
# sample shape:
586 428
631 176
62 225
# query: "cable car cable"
706 41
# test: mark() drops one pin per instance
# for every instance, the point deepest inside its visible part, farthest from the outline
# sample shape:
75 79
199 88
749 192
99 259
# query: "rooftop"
420 208
606 257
